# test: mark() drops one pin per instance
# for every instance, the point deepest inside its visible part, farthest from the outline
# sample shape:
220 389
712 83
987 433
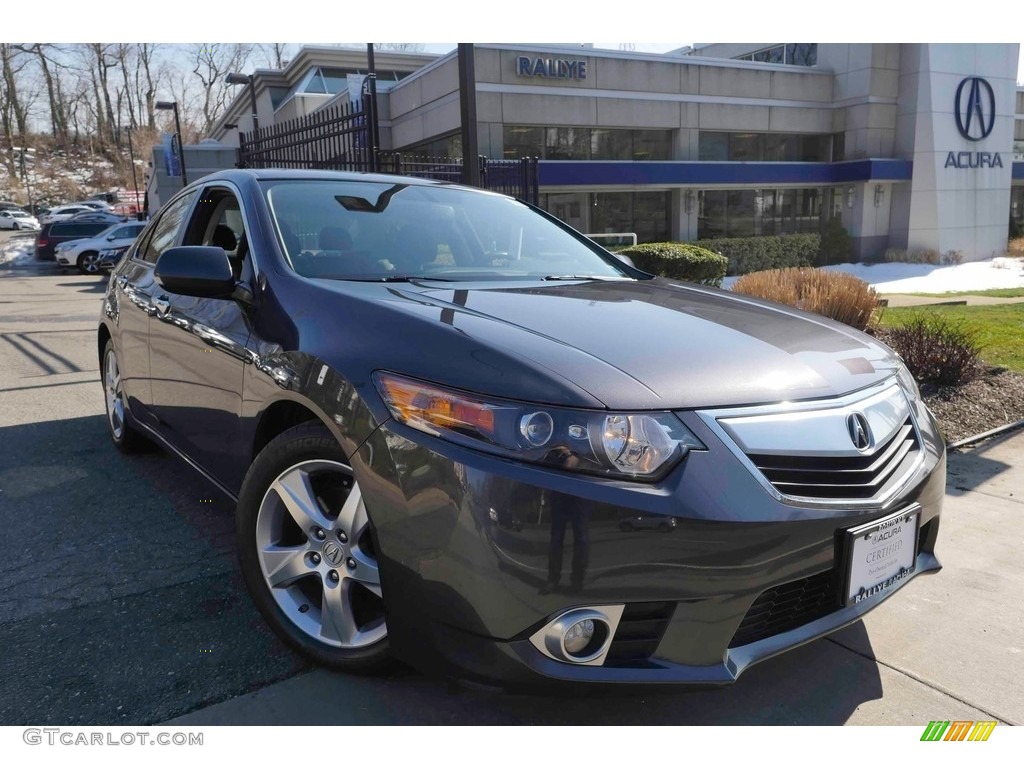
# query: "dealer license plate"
881 554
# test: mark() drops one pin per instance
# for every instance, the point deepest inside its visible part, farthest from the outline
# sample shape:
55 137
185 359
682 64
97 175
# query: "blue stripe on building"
614 172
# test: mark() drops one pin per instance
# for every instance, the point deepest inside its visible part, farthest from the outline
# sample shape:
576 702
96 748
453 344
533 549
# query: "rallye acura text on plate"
463 435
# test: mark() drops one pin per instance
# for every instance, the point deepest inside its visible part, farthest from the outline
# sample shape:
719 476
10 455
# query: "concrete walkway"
914 300
949 646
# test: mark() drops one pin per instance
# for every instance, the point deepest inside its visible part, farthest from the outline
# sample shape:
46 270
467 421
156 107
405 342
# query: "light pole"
135 181
177 127
236 78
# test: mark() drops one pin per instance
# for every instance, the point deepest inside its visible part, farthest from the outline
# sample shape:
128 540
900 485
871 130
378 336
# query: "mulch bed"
993 399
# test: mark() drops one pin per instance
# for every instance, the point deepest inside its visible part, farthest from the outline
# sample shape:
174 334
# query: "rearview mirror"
196 270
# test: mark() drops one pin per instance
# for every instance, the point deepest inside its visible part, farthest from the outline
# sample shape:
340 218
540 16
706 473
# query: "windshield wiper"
586 277
399 279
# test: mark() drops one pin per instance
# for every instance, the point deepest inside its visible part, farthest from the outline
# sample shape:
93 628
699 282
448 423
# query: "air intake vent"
843 477
638 634
789 606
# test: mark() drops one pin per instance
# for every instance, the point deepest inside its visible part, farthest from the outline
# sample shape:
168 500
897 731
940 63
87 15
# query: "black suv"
59 231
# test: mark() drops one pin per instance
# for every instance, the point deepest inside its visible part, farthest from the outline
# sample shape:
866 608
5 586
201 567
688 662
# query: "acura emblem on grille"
860 431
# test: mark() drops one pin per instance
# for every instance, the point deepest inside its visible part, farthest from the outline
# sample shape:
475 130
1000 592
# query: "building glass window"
773 147
652 145
802 54
609 144
798 54
444 147
523 141
751 212
586 143
645 213
713 146
567 144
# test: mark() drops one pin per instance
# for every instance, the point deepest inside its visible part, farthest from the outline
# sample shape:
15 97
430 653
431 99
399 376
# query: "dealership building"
916 146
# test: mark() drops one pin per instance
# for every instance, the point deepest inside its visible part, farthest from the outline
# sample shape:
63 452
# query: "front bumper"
477 554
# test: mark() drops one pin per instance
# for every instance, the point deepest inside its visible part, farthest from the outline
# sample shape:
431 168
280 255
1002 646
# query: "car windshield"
357 230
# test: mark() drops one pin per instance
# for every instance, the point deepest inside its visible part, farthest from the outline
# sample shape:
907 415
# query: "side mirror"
196 270
111 237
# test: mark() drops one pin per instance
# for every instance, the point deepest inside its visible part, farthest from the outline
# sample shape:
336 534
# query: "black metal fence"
340 138
336 137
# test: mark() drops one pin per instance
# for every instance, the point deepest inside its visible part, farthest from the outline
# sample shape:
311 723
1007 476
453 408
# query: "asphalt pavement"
120 600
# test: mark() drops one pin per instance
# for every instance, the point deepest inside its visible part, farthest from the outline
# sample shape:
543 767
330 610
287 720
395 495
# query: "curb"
985 435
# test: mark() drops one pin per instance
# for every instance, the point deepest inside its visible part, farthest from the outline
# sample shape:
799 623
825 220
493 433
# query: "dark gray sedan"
463 435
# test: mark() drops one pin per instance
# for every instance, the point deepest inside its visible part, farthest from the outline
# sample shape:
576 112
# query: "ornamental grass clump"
837 295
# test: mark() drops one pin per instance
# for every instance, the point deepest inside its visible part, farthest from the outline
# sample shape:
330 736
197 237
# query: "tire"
119 425
89 263
308 553
16 226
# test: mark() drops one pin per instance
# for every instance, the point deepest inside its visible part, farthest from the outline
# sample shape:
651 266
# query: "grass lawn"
999 328
1002 293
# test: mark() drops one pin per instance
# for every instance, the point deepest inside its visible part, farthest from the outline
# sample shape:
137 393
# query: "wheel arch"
102 337
281 415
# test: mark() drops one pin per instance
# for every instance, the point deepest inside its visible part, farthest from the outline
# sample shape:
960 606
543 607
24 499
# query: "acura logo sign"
975 108
860 431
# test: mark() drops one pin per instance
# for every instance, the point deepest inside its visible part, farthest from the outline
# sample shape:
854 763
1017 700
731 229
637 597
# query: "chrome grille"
842 477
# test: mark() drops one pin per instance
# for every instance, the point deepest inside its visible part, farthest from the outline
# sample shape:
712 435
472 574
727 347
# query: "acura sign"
975 109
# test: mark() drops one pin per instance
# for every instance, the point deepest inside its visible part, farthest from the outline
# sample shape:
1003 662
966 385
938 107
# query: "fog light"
578 637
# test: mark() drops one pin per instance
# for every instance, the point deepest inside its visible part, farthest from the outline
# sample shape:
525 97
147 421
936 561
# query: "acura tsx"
463 435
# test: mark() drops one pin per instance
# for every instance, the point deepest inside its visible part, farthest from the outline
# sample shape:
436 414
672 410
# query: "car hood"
657 343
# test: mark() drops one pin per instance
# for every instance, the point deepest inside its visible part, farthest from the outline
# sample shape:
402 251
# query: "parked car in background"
62 212
112 218
85 253
7 205
17 219
96 205
58 231
111 257
421 393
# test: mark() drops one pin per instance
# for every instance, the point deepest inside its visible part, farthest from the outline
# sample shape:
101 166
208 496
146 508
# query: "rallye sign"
562 69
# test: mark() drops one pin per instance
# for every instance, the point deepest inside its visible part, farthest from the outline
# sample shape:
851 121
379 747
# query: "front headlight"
906 380
640 446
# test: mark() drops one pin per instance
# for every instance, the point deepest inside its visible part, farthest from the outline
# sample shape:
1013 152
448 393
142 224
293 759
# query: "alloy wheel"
89 263
317 556
114 394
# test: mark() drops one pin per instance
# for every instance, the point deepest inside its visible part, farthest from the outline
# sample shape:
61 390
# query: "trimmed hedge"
682 261
756 254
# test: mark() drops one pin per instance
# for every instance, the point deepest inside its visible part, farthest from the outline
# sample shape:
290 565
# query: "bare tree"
147 89
212 63
52 69
400 47
277 54
15 112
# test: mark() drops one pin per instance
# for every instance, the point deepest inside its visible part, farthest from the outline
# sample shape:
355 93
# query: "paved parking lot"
120 600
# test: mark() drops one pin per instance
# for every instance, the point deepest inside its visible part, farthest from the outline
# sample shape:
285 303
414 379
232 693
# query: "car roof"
282 174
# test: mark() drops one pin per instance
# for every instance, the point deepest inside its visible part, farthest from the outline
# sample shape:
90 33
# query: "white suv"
85 253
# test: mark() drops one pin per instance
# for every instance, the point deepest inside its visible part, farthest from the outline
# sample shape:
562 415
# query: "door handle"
162 304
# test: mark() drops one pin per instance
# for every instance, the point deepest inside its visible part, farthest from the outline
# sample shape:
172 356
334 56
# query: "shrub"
952 257
836 244
1016 247
682 261
938 352
837 295
924 256
895 255
754 254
